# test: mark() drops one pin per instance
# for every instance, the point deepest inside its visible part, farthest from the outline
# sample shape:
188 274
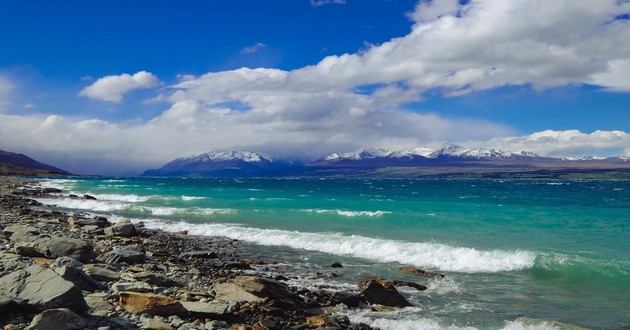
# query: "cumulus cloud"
254 48
112 88
318 3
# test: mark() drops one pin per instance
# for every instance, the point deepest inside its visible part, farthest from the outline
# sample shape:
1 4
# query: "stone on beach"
378 291
123 229
206 309
131 254
40 288
101 273
57 319
153 304
56 247
253 289
419 271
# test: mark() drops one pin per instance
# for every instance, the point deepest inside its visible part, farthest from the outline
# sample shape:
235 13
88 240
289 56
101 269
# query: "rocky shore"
80 271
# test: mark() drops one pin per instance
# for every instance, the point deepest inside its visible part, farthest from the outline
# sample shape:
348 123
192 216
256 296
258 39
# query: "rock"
336 265
101 273
98 304
414 285
152 324
377 291
79 278
67 261
253 289
40 288
98 221
418 271
11 262
351 300
89 197
20 230
153 304
207 309
132 286
131 254
123 229
57 247
205 254
57 319
155 279
318 321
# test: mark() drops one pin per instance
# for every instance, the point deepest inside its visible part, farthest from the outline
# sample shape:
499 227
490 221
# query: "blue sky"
114 87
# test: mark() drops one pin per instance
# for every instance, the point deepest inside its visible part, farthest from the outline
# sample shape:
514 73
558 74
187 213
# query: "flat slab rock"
153 304
253 289
57 319
40 288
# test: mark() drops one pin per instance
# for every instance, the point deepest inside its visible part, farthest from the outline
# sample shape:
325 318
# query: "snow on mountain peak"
234 154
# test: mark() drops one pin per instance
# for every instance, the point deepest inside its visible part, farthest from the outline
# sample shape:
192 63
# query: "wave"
109 206
432 255
191 198
349 213
131 198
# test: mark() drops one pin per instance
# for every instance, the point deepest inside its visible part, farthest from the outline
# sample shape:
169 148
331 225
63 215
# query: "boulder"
419 271
56 247
99 305
57 319
131 254
336 265
377 291
8 231
79 278
253 289
89 197
101 273
40 288
319 321
414 285
122 229
98 221
153 304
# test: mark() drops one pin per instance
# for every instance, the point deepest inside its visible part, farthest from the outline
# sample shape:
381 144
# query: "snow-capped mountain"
224 163
445 151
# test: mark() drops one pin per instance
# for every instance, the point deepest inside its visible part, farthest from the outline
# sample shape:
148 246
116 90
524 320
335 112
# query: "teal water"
554 250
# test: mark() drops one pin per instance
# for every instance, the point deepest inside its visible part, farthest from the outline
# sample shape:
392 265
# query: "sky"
117 87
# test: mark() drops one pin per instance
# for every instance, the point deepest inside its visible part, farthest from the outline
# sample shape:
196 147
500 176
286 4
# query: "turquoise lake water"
539 249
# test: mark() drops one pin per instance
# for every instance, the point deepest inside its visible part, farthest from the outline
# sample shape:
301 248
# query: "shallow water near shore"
540 249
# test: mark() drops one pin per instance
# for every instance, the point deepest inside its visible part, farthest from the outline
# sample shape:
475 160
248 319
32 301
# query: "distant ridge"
445 161
19 164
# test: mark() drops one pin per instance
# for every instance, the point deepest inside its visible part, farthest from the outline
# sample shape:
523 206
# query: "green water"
556 250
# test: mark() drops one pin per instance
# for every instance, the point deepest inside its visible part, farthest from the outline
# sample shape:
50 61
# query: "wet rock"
336 265
40 288
253 289
101 273
131 254
205 254
414 285
351 300
421 272
377 291
57 319
123 229
89 197
153 304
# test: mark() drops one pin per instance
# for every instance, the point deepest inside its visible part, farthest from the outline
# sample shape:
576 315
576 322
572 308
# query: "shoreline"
210 285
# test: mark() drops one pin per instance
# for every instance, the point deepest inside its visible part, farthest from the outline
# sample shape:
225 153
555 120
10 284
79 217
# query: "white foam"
191 198
431 255
131 198
409 318
346 213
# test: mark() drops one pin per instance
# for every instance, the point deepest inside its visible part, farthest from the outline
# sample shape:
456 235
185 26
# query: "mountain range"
446 161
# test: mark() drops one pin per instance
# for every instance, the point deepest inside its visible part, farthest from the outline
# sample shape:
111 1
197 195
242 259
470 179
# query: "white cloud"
254 48
562 143
616 78
317 3
112 88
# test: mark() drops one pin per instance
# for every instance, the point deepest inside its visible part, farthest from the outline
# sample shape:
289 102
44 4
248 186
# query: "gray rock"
99 305
66 261
40 288
79 278
152 324
123 229
207 309
97 221
10 262
57 319
131 254
155 279
253 289
132 286
101 273
57 247
8 231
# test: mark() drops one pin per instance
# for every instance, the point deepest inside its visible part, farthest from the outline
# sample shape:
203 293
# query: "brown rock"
418 271
378 291
253 289
318 321
153 304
